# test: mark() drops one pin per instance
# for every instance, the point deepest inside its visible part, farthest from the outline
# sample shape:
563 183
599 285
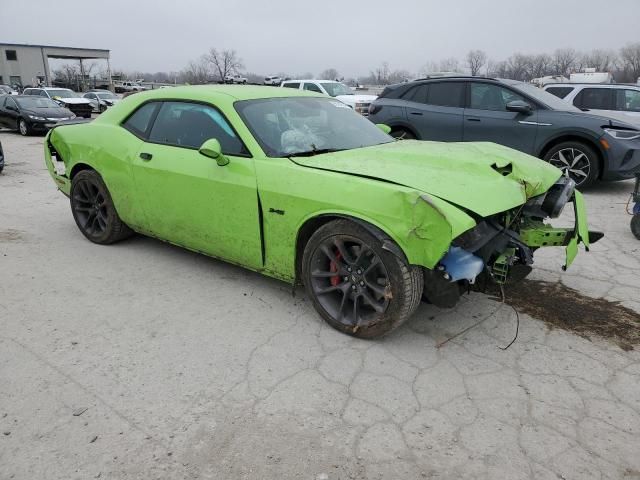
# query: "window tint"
138 123
446 94
312 87
291 85
11 55
560 92
595 98
486 96
189 125
417 94
628 100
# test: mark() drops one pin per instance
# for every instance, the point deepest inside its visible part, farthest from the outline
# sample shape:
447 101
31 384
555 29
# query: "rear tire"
635 226
93 209
402 134
578 159
358 287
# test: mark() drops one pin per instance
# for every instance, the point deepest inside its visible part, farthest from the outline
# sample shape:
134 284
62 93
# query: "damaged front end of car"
501 247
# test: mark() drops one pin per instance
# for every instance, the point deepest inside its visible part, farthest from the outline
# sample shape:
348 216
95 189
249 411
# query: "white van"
591 76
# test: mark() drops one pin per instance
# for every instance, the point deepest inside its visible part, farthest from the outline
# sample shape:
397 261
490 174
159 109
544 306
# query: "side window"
417 94
312 87
189 125
595 98
11 55
560 92
291 85
43 93
446 94
27 91
90 95
486 96
10 102
139 122
628 100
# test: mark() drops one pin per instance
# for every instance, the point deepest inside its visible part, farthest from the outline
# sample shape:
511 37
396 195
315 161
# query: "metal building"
23 64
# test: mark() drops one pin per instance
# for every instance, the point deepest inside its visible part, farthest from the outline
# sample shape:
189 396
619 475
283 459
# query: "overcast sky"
297 36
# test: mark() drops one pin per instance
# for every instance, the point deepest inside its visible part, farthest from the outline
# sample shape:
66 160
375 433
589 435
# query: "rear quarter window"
446 94
139 121
291 85
560 92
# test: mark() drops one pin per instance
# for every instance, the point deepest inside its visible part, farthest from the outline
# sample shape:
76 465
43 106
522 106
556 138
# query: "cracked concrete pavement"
192 368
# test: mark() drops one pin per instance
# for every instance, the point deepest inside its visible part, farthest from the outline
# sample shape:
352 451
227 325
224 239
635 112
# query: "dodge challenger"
299 187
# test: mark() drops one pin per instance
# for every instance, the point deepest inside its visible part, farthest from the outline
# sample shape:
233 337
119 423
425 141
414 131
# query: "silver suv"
618 101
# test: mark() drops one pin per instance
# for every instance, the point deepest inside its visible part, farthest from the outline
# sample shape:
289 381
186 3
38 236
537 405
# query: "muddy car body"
299 187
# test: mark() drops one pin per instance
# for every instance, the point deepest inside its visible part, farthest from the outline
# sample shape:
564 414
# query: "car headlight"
35 117
73 115
623 134
551 203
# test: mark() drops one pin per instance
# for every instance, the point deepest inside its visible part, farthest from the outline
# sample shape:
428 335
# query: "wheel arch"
312 224
78 167
401 125
573 137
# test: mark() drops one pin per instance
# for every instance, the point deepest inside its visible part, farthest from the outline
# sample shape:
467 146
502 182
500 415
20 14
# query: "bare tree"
601 60
565 61
225 62
196 72
428 68
476 60
329 74
540 65
449 65
68 74
381 74
630 56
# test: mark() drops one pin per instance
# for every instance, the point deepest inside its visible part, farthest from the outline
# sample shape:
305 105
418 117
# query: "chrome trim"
523 122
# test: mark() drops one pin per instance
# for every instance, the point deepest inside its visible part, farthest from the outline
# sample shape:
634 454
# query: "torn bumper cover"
502 245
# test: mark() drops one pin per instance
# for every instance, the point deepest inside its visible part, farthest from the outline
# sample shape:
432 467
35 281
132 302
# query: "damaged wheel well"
313 224
77 168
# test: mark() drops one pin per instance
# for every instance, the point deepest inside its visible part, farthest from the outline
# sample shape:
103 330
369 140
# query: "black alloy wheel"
93 209
358 287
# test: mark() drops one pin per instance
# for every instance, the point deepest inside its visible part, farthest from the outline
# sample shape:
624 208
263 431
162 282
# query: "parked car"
359 102
299 187
1 158
618 101
64 97
128 86
7 90
515 114
101 99
29 114
272 80
235 79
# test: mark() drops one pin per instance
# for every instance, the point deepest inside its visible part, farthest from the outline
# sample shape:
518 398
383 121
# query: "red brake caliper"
333 267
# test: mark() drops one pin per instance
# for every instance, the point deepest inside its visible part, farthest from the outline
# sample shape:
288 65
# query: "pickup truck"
122 87
235 79
359 102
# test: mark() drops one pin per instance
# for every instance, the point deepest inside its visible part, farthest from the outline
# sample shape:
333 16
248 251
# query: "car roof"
214 92
595 85
311 80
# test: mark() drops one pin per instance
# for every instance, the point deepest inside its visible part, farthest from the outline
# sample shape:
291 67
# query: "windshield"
298 125
36 102
546 98
106 95
61 93
335 89
5 89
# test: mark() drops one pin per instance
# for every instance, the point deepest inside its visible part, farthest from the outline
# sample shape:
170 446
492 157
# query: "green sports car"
300 187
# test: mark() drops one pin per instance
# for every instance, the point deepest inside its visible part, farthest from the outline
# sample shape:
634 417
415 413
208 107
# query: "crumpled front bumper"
56 170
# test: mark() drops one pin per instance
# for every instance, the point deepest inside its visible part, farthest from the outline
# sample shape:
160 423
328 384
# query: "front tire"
577 159
402 134
358 287
24 128
93 209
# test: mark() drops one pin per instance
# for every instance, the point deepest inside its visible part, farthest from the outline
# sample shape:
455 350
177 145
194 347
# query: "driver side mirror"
211 148
385 128
519 106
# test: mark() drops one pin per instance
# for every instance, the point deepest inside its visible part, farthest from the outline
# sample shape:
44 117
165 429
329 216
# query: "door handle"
146 156
473 119
416 113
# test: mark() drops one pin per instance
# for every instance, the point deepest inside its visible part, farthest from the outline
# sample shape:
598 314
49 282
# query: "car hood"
52 112
484 178
72 101
353 99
